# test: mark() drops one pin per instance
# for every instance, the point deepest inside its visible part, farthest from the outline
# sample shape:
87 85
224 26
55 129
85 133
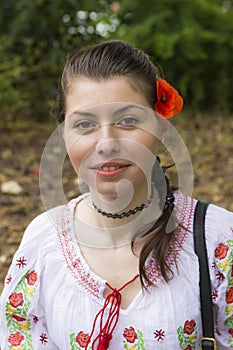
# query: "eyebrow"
118 111
125 108
82 113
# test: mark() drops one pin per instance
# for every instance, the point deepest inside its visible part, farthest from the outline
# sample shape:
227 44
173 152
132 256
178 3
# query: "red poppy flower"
169 101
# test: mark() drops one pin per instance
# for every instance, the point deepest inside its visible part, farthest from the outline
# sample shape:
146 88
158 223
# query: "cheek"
77 154
150 142
78 149
75 158
80 154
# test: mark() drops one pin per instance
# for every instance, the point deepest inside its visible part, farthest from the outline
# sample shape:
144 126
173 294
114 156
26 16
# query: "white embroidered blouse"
51 296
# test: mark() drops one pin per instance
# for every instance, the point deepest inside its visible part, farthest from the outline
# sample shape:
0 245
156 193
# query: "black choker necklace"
126 213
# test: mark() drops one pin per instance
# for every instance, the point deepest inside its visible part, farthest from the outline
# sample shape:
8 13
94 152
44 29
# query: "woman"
116 268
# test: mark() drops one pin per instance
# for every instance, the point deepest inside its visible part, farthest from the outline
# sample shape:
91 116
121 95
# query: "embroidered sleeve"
22 321
221 271
223 290
19 295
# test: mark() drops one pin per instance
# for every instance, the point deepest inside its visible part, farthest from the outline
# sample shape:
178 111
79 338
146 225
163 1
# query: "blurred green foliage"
35 39
192 40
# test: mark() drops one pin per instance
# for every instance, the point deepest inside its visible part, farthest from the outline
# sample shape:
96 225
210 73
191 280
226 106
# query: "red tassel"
106 330
104 342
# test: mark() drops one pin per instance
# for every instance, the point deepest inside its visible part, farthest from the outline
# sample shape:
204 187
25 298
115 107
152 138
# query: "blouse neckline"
93 284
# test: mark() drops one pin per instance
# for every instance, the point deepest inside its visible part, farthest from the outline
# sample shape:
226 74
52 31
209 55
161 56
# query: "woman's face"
109 135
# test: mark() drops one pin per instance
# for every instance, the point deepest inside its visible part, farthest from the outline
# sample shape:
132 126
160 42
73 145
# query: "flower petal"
169 101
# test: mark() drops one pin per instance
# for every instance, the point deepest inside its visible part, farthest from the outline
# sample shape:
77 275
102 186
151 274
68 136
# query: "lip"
110 169
109 164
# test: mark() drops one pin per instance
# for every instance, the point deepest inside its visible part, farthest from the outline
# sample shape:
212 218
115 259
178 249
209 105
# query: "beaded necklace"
126 213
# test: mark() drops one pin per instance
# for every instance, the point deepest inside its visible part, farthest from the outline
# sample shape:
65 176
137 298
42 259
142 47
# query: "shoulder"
45 226
42 226
218 221
218 224
219 242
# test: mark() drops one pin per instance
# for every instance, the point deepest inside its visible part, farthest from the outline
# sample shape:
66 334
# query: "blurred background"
192 42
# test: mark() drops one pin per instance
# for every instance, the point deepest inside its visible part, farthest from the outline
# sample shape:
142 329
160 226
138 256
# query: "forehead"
85 93
111 112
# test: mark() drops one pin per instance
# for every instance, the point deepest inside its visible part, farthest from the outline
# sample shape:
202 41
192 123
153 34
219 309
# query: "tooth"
109 168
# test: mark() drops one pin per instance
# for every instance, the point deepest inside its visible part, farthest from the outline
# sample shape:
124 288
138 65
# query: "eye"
85 125
128 121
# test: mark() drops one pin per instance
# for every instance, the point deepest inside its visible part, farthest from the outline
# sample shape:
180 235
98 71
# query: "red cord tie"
106 330
104 342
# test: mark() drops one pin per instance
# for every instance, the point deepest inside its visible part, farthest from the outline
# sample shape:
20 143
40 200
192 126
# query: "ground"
208 138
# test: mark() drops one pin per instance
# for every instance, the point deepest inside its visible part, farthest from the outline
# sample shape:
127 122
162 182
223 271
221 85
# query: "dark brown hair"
119 59
105 61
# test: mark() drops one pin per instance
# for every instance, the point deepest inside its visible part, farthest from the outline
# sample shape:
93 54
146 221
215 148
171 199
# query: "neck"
127 213
96 230
128 202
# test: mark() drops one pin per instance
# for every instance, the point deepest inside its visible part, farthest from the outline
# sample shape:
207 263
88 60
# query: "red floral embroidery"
169 101
130 334
188 347
35 319
159 334
230 331
189 327
82 275
72 254
229 296
185 217
221 251
15 339
8 279
32 278
213 264
18 318
82 339
21 262
220 276
16 299
215 295
43 339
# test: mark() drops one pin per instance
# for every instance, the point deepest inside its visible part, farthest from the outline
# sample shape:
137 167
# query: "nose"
107 142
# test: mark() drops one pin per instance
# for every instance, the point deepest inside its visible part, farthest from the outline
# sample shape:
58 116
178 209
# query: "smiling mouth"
110 169
110 166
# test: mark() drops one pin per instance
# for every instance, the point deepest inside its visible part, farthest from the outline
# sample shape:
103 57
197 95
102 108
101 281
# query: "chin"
123 188
107 190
